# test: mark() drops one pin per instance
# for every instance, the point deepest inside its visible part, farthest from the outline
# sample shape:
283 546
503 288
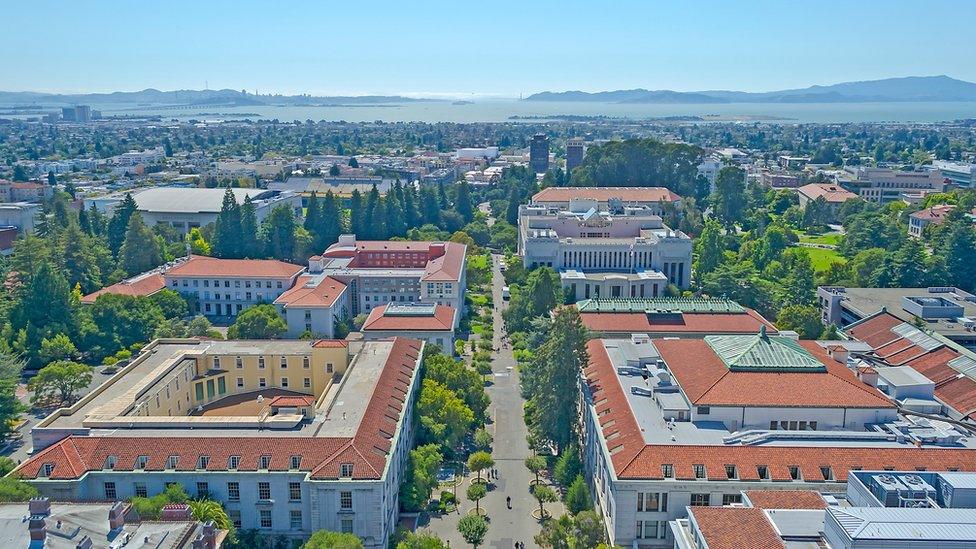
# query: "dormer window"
203 462
216 363
699 471
110 462
264 462
827 472
345 470
730 472
233 462
794 472
667 470
763 472
284 362
141 462
46 470
296 462
172 462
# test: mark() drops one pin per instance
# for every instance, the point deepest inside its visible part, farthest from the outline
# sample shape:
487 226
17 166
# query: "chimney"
207 537
839 353
38 529
85 543
176 512
39 507
116 516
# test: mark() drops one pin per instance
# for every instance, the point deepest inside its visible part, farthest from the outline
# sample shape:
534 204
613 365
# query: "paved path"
506 526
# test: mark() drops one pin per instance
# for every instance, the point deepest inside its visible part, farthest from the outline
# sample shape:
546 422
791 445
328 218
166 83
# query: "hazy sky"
486 47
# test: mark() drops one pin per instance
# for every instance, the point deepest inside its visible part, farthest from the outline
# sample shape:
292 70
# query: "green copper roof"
763 353
659 304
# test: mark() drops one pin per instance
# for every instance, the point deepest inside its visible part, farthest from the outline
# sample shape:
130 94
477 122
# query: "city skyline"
320 50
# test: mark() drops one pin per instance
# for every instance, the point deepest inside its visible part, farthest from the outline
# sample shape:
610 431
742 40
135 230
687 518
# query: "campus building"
377 273
892 509
669 317
833 195
886 185
188 208
671 424
539 153
291 436
606 242
432 323
944 310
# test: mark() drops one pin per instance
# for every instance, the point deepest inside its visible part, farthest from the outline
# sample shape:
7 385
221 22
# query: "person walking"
508 501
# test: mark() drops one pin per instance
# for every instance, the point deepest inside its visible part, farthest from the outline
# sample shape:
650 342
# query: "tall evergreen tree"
278 230
959 251
511 212
356 213
462 201
560 360
410 215
373 230
251 246
79 261
431 209
226 240
44 309
393 216
120 222
96 222
442 196
140 251
312 214
331 213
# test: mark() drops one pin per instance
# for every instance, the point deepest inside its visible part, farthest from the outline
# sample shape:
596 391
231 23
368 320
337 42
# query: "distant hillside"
191 97
911 88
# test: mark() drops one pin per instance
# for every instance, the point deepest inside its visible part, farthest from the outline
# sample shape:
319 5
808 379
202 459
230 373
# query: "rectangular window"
264 462
262 382
730 472
345 470
266 518
239 362
294 491
264 491
827 472
210 388
328 368
346 526
216 363
794 472
295 462
139 489
260 362
284 362
233 462
700 500
233 491
704 410
240 383
203 462
141 462
203 490
172 462
235 517
199 391
699 471
295 517
640 501
650 529
345 501
651 502
640 529
667 470
284 382
664 501
306 362
729 499
221 386
763 472
110 490
308 382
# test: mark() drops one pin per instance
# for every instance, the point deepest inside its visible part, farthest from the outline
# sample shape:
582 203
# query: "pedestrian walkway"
510 448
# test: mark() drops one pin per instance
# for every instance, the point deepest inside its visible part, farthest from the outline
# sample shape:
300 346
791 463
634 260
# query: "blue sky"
487 47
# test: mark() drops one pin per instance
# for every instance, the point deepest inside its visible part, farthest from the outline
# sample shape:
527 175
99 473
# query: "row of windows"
762 471
237 296
233 492
237 284
651 529
282 382
262 363
233 462
652 501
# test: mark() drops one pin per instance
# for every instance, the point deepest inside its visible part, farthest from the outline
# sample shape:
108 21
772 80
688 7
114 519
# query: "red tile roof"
689 323
778 459
141 286
441 321
706 380
735 528
443 261
951 387
324 294
202 266
292 401
602 194
367 449
330 343
785 499
633 459
935 213
829 191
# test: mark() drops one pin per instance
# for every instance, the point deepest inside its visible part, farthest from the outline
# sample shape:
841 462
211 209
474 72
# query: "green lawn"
822 258
831 239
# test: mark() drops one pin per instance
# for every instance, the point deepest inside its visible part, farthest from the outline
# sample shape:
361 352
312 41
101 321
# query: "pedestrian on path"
508 501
